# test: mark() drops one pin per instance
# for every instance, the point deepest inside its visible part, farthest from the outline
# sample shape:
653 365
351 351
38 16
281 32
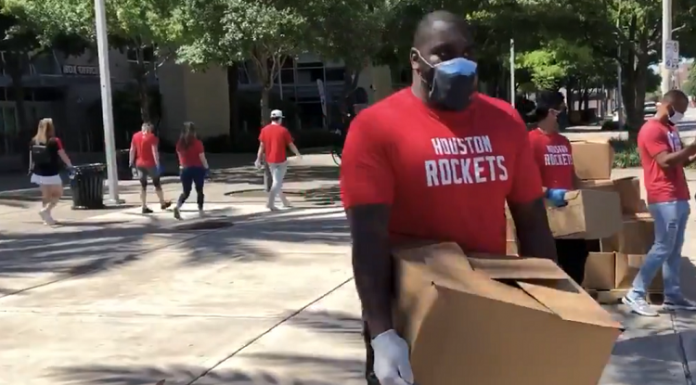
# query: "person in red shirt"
193 165
145 157
435 161
274 138
663 156
554 157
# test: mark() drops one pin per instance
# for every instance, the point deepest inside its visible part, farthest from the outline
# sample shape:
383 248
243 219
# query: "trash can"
123 165
87 185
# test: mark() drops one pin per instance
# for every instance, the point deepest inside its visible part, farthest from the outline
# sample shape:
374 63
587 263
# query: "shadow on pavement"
296 173
69 252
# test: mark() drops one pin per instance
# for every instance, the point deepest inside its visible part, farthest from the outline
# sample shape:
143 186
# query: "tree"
351 31
689 86
20 43
625 31
136 26
224 32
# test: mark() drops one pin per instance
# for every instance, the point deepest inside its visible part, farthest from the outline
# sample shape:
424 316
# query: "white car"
649 110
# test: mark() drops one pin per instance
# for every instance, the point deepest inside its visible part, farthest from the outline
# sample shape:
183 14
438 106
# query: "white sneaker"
201 214
46 217
272 208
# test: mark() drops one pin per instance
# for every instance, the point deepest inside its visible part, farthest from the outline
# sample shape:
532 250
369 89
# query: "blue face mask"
452 84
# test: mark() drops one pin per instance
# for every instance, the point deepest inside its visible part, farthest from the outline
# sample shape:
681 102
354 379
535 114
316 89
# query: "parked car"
649 110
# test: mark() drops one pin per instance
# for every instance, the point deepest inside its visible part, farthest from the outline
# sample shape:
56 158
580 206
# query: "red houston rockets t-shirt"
554 157
662 185
190 156
446 175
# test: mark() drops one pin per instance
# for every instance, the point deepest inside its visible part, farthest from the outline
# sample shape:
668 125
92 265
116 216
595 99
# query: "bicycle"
337 148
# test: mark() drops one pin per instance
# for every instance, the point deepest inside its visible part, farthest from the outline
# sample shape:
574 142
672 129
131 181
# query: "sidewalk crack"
682 350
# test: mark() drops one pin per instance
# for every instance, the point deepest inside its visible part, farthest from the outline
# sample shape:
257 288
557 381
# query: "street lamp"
666 36
107 113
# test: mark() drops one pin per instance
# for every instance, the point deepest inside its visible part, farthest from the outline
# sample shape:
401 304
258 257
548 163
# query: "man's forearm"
533 232
259 153
372 268
294 149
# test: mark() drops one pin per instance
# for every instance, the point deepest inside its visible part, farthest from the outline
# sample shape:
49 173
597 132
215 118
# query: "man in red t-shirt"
554 157
274 138
435 161
145 157
663 157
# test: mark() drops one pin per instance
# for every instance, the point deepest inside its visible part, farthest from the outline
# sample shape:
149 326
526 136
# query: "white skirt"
46 180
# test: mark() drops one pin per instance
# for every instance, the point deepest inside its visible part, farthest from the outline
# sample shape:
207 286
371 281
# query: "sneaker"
371 379
146 210
640 306
177 214
46 218
166 205
201 213
272 208
679 304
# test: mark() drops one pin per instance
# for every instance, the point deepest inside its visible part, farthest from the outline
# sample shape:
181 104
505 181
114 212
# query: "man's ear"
415 60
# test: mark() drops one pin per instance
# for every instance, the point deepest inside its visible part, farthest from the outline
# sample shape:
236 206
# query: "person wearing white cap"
274 139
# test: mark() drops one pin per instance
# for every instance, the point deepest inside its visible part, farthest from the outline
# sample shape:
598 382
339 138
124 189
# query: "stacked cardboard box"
486 319
614 260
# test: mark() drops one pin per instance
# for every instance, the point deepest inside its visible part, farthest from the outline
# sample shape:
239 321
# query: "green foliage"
690 85
626 154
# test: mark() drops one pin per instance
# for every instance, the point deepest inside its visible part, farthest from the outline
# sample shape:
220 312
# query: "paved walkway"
122 299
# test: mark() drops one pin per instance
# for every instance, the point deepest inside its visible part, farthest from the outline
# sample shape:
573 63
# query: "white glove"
257 164
392 366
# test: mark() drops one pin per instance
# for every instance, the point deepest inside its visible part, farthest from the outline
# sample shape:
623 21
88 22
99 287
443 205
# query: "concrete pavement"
122 299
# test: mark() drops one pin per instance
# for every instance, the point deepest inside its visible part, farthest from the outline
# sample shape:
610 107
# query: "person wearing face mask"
435 161
554 157
663 157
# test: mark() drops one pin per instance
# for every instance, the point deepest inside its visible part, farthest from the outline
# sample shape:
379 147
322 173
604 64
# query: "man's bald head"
439 21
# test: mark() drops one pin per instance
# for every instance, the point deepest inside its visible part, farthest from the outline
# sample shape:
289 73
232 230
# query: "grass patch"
626 154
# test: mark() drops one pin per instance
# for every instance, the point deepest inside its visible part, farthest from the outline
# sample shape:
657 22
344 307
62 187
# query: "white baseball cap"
277 114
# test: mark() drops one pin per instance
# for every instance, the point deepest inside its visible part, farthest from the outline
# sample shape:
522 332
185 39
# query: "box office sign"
70 69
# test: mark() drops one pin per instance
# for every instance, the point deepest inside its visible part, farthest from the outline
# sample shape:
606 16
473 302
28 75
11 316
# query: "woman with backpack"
193 165
46 159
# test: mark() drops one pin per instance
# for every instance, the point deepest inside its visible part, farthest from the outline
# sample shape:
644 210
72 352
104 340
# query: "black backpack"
41 154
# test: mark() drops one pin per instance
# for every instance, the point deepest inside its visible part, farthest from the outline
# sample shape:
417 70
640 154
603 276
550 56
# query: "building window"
148 54
335 74
309 75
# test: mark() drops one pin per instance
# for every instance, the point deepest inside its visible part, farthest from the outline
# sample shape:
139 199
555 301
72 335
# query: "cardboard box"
627 267
593 159
636 236
600 271
628 189
611 271
497 320
511 242
590 214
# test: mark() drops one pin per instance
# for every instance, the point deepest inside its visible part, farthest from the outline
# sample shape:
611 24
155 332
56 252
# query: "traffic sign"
672 55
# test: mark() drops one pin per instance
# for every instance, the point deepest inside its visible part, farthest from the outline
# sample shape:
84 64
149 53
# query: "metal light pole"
107 114
619 95
512 72
666 36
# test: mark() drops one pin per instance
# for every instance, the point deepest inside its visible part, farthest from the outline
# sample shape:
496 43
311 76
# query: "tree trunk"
265 105
144 97
232 84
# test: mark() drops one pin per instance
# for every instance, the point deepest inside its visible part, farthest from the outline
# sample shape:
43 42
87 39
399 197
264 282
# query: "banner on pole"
672 55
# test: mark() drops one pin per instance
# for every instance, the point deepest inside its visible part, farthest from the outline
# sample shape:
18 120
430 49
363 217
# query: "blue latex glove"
160 170
556 196
207 173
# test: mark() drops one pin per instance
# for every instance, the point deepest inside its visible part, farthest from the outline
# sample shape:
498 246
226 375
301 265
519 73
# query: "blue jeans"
192 176
670 226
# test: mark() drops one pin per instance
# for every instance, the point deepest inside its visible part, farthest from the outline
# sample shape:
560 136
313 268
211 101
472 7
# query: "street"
243 297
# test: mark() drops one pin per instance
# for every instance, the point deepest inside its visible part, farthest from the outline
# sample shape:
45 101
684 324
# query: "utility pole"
666 37
619 95
107 113
512 72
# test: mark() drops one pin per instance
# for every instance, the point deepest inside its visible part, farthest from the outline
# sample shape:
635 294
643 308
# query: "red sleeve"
199 147
366 171
155 141
654 140
58 143
526 179
287 136
262 134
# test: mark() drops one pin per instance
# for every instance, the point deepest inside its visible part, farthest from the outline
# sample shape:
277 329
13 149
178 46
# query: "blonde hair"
45 132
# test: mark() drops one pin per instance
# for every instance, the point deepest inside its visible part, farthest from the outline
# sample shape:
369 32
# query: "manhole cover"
211 224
